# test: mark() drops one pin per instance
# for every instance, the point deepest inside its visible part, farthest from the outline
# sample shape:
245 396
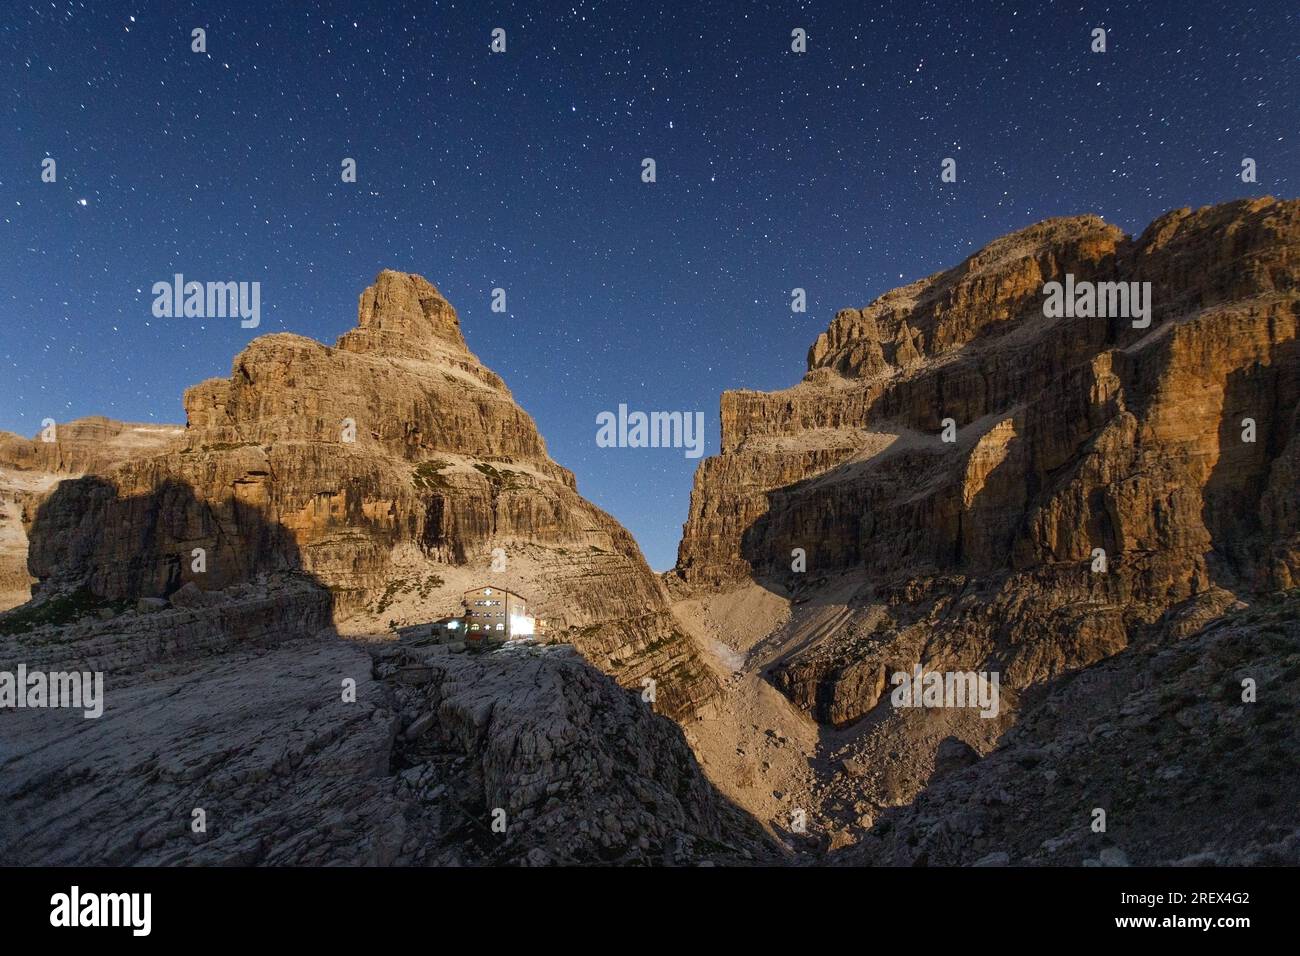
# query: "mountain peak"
403 314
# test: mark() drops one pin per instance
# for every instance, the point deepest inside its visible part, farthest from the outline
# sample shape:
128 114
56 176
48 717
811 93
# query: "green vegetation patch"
502 479
60 610
394 587
404 586
427 476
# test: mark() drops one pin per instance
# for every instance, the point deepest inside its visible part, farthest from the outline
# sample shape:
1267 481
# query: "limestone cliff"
389 468
88 445
1071 435
30 468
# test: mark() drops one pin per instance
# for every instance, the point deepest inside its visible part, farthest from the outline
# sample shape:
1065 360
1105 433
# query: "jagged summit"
403 314
949 309
994 296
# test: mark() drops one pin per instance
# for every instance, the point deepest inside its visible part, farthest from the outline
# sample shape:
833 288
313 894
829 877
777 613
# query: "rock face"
393 469
1072 434
575 770
29 468
90 445
1160 725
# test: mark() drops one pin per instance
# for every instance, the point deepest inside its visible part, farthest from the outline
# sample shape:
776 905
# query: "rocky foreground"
257 753
1160 737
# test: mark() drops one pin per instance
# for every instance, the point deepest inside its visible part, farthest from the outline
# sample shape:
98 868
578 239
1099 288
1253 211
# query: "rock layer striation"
396 471
1167 452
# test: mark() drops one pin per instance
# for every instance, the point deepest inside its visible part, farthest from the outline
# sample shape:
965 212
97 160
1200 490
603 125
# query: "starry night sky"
523 170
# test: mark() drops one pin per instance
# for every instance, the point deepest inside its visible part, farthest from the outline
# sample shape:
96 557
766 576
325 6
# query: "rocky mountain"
207 573
1102 472
394 470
